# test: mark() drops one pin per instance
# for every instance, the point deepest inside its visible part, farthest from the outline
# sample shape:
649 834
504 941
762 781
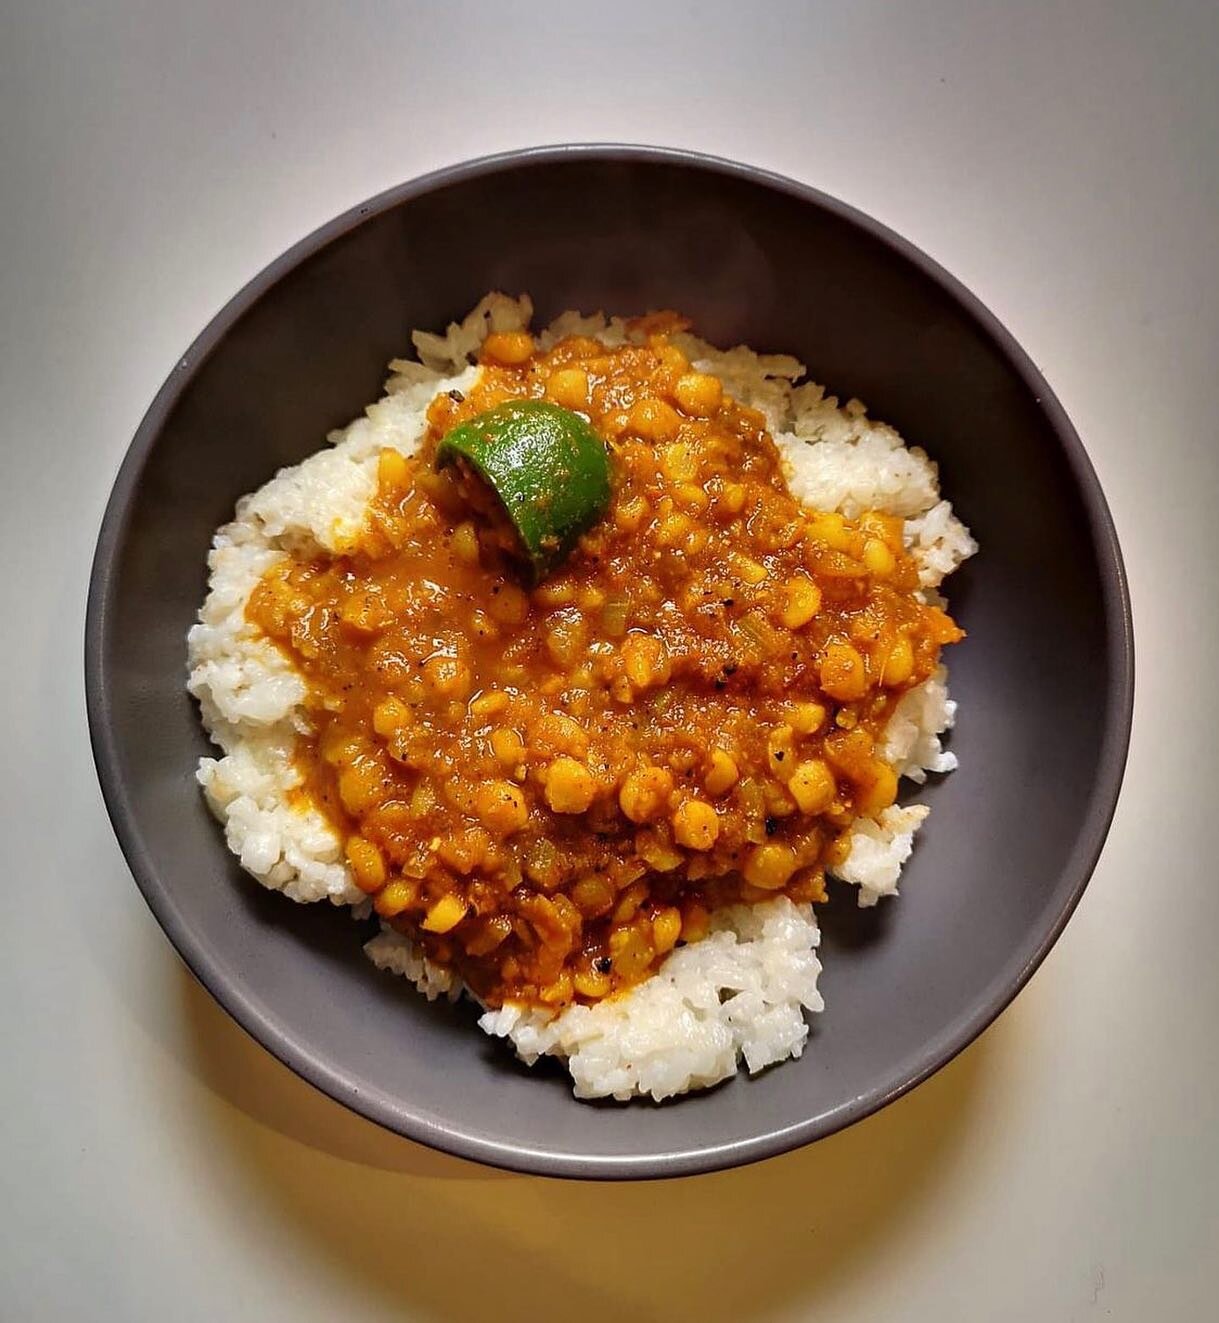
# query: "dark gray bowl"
1045 679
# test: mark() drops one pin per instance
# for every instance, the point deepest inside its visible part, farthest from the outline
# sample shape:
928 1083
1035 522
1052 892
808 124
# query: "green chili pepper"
547 467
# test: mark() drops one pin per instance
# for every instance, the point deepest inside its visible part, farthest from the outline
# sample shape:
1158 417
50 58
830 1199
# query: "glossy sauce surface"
550 788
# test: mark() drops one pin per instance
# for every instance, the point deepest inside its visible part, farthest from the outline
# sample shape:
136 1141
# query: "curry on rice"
550 785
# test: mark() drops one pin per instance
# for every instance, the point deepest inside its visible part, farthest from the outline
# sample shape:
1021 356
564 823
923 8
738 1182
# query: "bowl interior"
1012 835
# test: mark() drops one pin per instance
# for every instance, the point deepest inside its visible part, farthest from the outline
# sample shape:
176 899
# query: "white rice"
739 994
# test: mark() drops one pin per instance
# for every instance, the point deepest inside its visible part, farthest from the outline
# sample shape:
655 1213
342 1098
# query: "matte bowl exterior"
1045 678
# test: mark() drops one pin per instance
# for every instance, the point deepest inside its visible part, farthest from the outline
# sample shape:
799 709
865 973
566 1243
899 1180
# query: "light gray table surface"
1061 159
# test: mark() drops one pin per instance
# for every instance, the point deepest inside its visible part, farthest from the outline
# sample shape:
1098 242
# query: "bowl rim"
295 1053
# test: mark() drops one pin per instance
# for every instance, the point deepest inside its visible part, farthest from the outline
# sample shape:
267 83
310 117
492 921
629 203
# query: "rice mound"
736 994
740 993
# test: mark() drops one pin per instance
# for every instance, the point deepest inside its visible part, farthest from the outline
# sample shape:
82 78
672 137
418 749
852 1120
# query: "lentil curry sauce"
550 788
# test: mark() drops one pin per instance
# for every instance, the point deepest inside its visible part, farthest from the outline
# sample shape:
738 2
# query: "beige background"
1061 159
